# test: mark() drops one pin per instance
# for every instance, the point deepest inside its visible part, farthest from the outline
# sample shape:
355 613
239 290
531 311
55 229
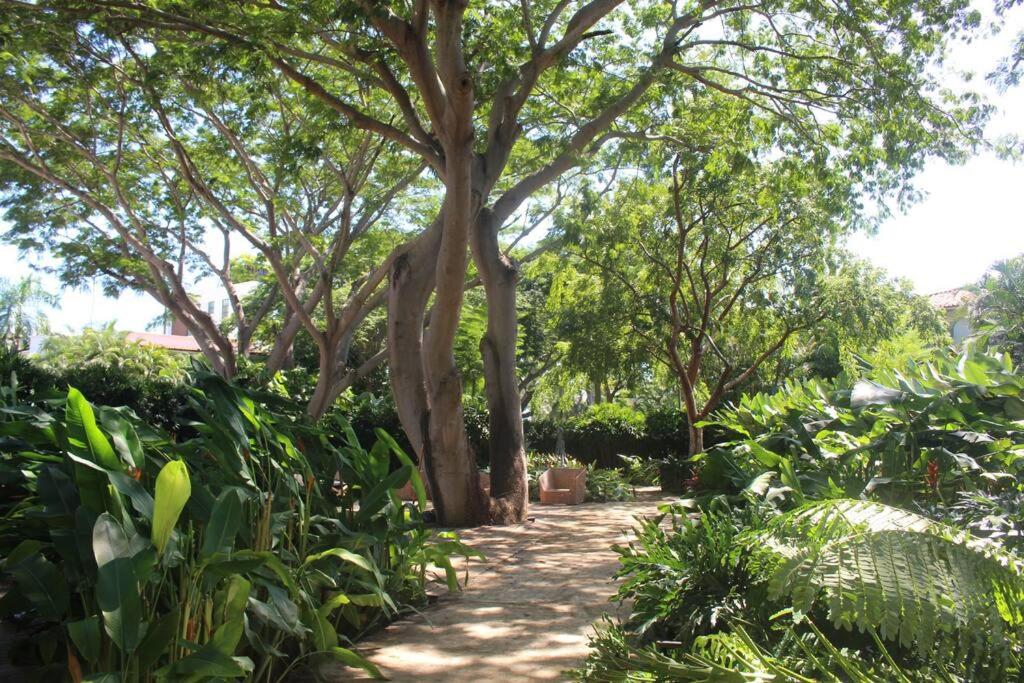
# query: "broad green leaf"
43 585
172 491
122 433
323 633
235 598
117 593
332 603
83 434
355 660
159 637
109 540
415 479
341 554
380 495
207 662
219 535
85 634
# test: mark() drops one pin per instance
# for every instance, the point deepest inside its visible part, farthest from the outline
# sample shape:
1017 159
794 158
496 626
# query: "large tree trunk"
430 412
509 487
329 376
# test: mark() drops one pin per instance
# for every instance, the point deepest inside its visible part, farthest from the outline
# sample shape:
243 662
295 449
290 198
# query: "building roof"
171 342
952 298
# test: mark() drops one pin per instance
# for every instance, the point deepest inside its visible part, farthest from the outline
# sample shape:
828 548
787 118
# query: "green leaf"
333 603
235 598
414 479
117 593
380 494
208 661
324 636
172 491
85 634
353 659
43 585
122 433
84 436
107 677
341 554
159 637
109 540
219 535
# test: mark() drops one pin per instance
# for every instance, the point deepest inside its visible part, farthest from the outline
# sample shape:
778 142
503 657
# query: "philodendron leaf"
219 535
117 593
172 492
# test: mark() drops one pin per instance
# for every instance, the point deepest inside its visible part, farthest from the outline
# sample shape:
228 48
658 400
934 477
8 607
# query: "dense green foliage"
1000 305
259 544
845 530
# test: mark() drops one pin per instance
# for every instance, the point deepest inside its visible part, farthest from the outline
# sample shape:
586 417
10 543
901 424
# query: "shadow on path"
526 611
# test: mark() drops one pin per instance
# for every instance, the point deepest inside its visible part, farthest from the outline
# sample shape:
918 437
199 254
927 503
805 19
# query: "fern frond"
915 581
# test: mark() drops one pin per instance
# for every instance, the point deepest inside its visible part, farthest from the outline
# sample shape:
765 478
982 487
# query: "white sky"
970 218
972 215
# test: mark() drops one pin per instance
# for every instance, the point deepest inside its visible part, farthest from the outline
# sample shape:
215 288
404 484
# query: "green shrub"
922 434
836 590
260 543
607 485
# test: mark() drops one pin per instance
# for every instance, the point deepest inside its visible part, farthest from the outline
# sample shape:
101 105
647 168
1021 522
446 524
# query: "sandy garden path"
526 611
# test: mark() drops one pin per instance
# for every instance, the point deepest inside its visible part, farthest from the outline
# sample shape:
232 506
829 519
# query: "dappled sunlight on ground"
527 610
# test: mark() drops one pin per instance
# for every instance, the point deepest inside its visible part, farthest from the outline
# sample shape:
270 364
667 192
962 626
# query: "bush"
924 434
607 430
261 542
868 590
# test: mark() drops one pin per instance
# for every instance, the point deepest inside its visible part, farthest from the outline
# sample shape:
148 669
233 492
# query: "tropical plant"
928 431
111 350
922 584
261 543
834 590
23 307
1000 305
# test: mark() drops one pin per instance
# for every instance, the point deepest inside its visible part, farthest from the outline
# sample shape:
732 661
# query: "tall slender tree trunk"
509 487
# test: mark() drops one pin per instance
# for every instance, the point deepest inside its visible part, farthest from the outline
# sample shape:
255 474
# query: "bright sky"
970 218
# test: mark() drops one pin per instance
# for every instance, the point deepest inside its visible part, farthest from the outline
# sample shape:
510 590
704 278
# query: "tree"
500 100
1000 305
23 307
124 161
721 261
865 309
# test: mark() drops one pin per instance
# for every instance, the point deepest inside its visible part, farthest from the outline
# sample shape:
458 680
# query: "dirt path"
526 612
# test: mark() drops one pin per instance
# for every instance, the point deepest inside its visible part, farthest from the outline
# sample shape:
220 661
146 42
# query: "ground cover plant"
258 544
846 531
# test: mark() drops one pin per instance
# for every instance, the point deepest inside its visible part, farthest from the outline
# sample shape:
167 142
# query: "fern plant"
915 581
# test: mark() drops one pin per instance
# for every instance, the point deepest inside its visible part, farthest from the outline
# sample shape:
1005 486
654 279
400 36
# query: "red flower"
933 475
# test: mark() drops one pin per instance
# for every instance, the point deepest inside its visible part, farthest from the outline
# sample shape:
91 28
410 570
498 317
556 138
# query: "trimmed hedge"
606 430
596 436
